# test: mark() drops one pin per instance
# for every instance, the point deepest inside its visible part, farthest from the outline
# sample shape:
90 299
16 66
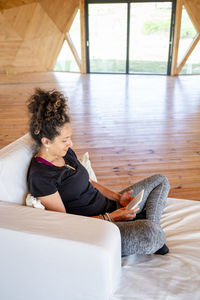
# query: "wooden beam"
193 10
177 31
73 49
83 37
71 20
191 48
32 35
7 4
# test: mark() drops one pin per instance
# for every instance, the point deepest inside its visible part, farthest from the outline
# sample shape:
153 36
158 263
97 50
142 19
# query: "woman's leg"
146 236
140 237
156 190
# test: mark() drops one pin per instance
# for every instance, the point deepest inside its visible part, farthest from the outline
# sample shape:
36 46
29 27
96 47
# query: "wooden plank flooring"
132 126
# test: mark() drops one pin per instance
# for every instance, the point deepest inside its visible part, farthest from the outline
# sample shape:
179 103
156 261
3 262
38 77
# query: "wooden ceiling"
193 9
6 4
32 33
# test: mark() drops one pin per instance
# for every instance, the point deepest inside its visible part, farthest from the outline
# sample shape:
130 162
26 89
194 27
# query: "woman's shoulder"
41 181
39 170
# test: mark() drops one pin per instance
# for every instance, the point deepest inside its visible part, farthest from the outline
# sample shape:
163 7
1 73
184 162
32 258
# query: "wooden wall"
193 10
32 33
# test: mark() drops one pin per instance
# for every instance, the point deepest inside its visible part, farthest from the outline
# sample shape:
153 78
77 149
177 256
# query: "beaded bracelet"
102 217
109 217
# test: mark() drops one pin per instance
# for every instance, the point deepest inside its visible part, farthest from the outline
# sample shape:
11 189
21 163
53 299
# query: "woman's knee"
165 181
161 179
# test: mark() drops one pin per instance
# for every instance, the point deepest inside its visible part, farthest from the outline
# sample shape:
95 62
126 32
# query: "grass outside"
113 66
119 66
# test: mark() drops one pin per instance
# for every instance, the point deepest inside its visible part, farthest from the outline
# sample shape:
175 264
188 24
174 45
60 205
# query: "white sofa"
47 255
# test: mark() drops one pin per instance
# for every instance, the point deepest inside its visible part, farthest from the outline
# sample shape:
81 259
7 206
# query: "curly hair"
49 114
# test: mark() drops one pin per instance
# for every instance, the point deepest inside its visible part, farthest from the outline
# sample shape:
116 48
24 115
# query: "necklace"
68 166
44 161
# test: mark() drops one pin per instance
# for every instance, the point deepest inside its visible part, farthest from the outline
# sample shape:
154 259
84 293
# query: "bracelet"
109 217
102 217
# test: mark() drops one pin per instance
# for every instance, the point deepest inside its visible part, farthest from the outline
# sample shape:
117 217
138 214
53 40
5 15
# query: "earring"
46 149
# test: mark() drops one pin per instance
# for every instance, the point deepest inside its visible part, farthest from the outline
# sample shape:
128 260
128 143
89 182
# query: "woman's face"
60 145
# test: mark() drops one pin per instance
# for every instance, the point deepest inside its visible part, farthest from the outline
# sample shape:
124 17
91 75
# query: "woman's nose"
70 143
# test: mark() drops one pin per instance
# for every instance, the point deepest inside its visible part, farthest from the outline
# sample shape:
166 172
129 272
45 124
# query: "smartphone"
137 199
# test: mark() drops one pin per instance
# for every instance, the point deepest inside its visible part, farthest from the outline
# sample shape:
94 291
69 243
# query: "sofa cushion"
85 161
14 162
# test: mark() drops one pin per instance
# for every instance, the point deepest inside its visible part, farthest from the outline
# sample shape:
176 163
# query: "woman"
62 184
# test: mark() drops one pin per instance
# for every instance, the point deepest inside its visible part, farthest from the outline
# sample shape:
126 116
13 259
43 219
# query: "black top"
77 193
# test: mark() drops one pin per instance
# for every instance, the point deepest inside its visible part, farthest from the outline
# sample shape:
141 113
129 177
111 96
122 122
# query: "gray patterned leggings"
144 235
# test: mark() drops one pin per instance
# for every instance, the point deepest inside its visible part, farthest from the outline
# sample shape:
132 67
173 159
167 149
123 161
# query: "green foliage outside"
194 69
156 27
67 65
160 27
113 66
187 30
62 67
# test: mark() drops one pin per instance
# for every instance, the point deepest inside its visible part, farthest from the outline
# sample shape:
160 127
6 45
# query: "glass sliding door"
107 37
149 37
129 36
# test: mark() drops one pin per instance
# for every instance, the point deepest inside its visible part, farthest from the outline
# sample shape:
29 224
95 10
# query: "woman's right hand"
123 214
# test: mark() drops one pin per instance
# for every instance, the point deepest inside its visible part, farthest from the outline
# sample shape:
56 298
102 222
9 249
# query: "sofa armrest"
50 255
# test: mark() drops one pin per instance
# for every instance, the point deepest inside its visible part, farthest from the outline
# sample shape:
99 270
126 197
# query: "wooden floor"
132 126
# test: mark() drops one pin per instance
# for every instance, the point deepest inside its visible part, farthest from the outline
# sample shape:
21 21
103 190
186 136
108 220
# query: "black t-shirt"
77 193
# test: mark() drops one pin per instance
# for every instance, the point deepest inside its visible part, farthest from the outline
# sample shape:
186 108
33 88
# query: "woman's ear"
45 141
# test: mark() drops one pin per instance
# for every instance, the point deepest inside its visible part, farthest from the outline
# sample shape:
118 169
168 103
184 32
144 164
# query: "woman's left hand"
125 198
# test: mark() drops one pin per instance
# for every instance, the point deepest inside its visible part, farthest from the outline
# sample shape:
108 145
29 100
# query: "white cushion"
85 161
14 161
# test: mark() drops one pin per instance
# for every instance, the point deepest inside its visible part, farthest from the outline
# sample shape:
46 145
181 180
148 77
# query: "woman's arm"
53 202
106 192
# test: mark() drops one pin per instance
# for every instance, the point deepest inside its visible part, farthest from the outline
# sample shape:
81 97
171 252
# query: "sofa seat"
50 255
